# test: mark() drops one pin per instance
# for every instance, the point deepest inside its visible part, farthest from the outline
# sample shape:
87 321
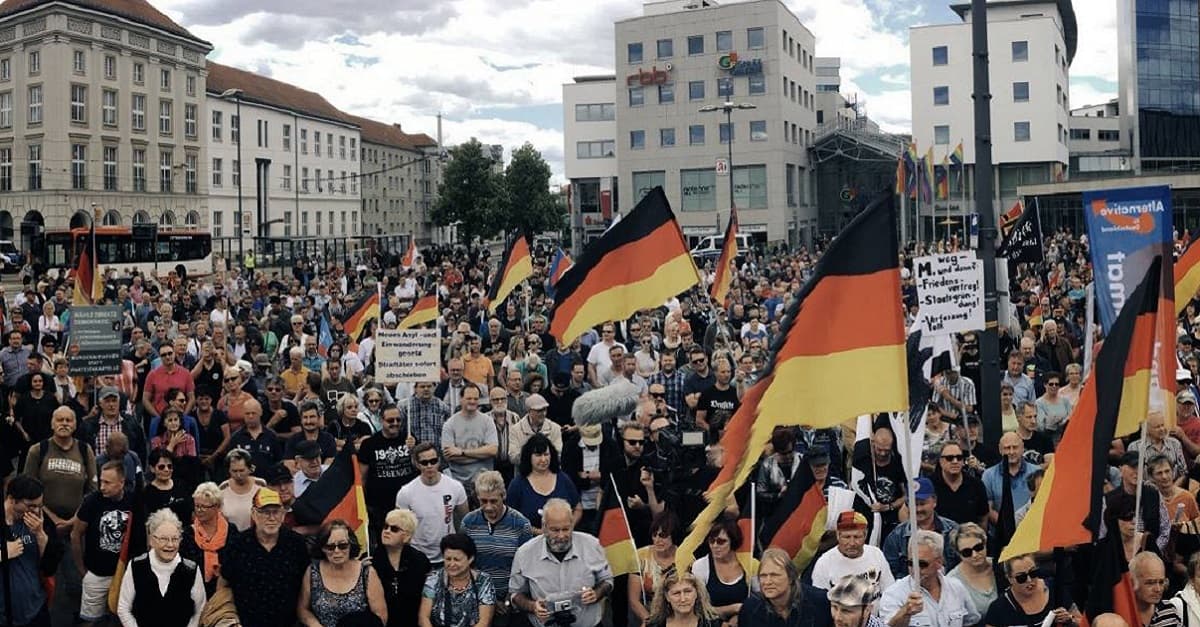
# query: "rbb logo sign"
722 167
654 76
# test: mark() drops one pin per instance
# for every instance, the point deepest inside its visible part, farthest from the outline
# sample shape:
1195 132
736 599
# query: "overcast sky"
495 69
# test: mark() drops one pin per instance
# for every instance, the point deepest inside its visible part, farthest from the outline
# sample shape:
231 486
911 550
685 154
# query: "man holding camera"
560 577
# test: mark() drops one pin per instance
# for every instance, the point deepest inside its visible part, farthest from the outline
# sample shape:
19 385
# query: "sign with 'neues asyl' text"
950 293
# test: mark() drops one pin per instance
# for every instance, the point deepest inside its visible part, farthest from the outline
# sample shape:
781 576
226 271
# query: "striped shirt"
496 544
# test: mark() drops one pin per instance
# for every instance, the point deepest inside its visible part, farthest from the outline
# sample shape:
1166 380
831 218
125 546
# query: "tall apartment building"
299 171
1031 44
101 107
1159 83
400 176
684 55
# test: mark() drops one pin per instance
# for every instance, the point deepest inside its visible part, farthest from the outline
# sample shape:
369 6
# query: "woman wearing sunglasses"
1029 598
975 570
338 584
401 568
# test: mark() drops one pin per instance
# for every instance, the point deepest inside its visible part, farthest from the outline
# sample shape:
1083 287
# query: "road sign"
722 167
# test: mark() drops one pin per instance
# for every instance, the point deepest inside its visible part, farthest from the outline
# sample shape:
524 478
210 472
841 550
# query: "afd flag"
1126 229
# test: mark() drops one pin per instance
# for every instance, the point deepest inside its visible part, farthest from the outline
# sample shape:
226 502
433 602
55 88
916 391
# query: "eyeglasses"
199 506
968 551
1053 384
395 529
163 467
635 442
1029 574
920 563
337 546
270 512
428 462
661 533
699 361
658 395
954 458
168 539
718 541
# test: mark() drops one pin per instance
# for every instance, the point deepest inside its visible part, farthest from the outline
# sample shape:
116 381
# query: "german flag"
1035 317
410 256
336 495
423 311
89 282
799 520
515 266
846 323
1111 584
355 320
1187 277
638 263
615 535
725 268
1009 219
1112 405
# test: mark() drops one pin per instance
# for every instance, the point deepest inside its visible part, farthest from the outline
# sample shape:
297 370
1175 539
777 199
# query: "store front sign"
653 76
740 67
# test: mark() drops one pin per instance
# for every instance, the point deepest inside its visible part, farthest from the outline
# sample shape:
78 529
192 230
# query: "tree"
529 203
471 195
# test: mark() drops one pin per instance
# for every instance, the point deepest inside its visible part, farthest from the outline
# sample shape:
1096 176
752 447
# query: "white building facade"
299 167
1031 44
681 56
400 176
99 111
590 132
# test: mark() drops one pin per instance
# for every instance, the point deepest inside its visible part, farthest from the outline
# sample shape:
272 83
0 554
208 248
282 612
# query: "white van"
710 246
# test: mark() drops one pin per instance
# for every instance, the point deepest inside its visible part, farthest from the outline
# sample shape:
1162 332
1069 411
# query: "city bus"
117 249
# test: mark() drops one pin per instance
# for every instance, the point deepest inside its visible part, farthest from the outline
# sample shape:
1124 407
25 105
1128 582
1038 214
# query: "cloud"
319 18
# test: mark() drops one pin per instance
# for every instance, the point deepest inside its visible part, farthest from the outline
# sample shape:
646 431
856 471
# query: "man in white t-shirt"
437 499
851 556
599 358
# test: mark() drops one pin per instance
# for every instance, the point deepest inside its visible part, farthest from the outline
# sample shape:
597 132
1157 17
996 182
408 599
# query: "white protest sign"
950 292
407 355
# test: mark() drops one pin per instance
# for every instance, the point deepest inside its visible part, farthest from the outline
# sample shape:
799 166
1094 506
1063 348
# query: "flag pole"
1141 477
753 518
914 567
637 560
1089 329
962 186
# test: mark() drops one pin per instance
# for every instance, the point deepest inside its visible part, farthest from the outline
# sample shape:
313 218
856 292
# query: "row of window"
666 136
797 51
698 188
1020 53
264 137
112 179
1020 93
349 223
109 109
1021 133
1104 135
756 85
665 48
79 60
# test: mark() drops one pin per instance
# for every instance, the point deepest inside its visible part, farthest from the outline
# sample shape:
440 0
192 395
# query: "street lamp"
236 94
728 108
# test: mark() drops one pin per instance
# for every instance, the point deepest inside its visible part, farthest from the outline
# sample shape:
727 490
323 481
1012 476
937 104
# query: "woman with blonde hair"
208 533
975 571
401 568
681 601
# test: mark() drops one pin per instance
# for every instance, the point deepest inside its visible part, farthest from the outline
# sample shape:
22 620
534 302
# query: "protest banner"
950 292
407 355
95 347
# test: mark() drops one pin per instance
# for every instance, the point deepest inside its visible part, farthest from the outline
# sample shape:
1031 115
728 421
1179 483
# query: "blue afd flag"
1126 229
324 335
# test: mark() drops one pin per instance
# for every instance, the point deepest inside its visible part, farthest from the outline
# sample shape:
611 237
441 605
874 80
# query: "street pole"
241 216
989 347
729 125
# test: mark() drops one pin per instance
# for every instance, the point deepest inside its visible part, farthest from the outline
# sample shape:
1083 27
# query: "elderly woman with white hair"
209 532
348 426
401 568
159 587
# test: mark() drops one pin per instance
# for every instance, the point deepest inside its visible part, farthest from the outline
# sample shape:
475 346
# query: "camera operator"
560 577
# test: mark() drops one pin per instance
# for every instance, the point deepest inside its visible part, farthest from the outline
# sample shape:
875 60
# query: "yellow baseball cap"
266 497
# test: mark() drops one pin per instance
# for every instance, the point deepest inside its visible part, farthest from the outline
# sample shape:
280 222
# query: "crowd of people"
485 498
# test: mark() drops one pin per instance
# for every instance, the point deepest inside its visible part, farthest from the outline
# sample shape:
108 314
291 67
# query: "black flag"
1023 243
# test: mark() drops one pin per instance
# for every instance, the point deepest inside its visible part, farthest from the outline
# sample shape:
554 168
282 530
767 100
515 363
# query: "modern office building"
298 174
681 56
1159 83
400 176
101 108
590 154
1095 142
1031 46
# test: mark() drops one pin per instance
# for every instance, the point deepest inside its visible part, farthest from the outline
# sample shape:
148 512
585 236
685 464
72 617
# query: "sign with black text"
950 292
407 355
95 346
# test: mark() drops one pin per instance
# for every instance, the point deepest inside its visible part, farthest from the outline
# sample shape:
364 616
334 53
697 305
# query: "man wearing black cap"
1155 518
561 398
308 464
95 430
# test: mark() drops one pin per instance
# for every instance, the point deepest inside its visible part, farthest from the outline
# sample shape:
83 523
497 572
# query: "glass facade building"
1167 85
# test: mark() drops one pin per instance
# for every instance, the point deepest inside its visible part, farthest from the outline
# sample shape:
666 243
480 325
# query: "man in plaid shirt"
672 382
424 414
